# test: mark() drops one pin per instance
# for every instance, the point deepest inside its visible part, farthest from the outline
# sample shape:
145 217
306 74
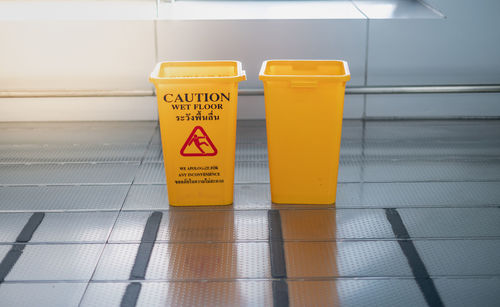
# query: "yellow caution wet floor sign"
197 104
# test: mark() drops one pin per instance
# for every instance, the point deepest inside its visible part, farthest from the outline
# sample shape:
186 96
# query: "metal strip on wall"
433 89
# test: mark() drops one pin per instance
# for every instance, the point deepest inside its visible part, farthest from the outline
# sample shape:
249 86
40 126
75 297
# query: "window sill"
215 10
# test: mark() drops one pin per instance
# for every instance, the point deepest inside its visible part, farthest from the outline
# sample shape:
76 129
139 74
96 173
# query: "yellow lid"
196 71
310 69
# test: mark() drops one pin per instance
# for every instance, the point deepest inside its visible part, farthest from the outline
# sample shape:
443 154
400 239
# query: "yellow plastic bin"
304 106
197 103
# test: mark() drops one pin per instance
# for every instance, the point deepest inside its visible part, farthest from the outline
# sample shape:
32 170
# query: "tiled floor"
85 221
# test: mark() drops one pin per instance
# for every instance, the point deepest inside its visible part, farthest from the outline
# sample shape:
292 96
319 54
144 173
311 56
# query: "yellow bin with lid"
197 104
304 106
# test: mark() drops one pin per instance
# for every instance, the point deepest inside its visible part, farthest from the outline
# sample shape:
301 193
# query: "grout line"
264 241
346 157
344 206
260 279
264 278
445 180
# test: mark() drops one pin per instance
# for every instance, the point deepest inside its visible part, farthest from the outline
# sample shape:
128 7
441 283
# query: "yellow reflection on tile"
313 293
311 259
308 224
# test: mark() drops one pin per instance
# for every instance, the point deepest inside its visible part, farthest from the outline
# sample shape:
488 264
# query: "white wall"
70 50
464 48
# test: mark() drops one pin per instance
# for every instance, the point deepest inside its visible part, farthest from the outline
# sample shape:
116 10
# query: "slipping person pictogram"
198 143
194 145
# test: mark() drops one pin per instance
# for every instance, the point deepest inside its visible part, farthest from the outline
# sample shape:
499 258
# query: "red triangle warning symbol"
198 144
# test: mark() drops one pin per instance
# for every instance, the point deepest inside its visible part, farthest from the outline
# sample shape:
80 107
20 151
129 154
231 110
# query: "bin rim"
344 77
240 76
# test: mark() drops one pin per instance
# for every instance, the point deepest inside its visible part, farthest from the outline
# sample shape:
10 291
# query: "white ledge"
259 10
214 10
77 10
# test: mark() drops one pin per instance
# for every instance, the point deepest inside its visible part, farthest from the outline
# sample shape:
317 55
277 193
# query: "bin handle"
304 84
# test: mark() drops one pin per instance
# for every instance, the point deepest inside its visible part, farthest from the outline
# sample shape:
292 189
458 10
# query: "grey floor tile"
460 257
403 171
230 293
74 227
451 223
447 170
251 131
151 173
23 154
393 194
209 261
251 172
11 225
345 259
74 262
147 197
437 150
349 171
433 130
62 198
156 138
154 153
116 262
197 225
252 196
352 129
350 148
351 292
316 225
67 174
104 294
248 172
251 152
78 133
350 194
41 294
189 261
130 226
418 194
469 292
382 195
